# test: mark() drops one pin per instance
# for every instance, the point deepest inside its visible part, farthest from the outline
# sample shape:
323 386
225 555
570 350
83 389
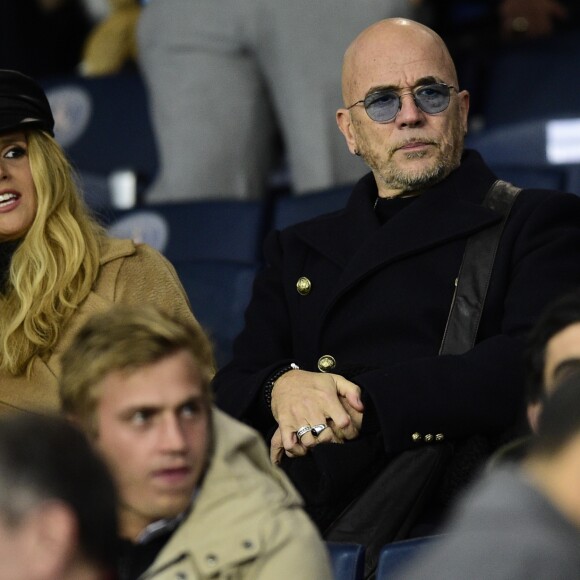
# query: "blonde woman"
57 265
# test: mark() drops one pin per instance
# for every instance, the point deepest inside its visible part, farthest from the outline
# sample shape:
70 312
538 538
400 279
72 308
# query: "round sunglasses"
384 105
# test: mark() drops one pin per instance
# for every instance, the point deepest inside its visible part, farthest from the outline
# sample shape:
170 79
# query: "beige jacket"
129 273
247 521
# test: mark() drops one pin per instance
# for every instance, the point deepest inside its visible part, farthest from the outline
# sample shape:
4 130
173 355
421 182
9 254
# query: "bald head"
415 148
392 46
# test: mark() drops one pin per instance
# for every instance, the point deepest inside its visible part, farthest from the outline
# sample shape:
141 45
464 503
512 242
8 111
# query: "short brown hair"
125 338
43 458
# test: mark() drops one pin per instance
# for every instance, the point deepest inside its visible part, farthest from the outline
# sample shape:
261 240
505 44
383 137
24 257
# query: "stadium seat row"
348 560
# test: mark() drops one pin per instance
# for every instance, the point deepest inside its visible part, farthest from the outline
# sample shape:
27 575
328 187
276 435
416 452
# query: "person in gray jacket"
519 522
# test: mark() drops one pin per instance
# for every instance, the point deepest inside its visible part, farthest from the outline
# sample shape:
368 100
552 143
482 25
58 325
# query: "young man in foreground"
198 495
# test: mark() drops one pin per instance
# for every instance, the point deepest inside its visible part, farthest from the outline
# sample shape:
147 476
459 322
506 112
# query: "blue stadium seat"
219 293
215 248
347 560
573 179
290 209
535 153
397 554
517 92
103 125
196 230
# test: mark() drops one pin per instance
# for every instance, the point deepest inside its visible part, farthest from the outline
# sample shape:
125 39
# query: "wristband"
273 378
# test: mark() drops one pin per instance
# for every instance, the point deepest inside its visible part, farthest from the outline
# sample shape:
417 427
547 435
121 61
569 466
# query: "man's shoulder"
536 195
547 203
245 510
231 433
327 206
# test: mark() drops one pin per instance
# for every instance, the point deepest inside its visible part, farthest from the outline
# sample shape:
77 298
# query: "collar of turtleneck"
386 208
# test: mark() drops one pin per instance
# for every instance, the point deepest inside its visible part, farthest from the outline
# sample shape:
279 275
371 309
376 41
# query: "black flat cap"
23 104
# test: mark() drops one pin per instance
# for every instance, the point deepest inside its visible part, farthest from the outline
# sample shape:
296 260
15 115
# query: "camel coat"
130 273
247 521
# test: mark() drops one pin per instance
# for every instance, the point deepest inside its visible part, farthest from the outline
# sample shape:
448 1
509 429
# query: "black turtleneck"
387 207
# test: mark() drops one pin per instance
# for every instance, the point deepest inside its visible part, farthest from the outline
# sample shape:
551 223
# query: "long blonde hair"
55 265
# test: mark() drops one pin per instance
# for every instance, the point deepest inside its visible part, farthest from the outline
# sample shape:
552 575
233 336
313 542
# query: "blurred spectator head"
554 456
559 423
553 351
57 502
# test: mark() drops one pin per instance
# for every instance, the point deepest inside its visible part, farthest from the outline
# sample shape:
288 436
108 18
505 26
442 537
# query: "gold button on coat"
439 437
428 437
416 437
326 363
304 285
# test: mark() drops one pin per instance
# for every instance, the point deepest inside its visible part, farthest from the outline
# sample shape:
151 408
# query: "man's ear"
53 539
463 97
344 122
534 412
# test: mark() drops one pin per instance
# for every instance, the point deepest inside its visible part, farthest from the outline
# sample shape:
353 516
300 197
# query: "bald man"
343 332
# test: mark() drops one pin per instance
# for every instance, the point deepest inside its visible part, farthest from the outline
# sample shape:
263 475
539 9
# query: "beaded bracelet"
273 378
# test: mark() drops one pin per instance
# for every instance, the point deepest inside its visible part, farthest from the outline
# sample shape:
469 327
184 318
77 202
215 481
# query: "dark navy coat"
379 300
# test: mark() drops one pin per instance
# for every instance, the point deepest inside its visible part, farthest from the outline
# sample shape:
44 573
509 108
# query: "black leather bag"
390 506
392 503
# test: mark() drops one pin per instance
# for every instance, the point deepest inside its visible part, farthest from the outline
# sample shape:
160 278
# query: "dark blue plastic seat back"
533 80
394 556
103 124
347 560
291 209
196 230
535 153
215 248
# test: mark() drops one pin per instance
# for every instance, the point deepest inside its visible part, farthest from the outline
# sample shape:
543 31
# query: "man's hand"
301 398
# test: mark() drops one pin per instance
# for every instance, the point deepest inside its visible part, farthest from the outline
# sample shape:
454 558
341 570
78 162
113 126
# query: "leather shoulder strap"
475 273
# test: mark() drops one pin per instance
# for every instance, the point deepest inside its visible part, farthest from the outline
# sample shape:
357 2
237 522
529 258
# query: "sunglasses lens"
382 106
433 98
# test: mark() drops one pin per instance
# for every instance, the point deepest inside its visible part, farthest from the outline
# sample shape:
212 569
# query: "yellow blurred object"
112 43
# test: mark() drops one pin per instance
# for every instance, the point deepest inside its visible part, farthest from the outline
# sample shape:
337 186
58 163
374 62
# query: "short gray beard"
397 179
408 182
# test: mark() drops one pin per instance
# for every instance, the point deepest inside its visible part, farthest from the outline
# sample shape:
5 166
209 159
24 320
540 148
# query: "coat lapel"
355 240
338 235
430 221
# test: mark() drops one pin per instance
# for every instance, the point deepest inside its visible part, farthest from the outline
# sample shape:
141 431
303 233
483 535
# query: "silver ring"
303 430
318 429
